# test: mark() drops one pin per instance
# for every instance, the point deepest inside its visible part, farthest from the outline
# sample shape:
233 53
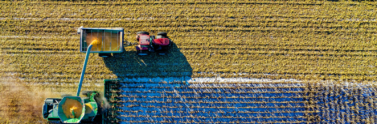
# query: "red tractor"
147 44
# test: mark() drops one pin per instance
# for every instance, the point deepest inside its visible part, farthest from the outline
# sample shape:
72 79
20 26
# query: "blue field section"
211 103
285 102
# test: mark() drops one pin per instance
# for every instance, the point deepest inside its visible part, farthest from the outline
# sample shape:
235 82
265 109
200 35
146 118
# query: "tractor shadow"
146 76
129 65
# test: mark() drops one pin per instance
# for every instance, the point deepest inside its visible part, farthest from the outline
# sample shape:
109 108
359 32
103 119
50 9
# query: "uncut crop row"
241 39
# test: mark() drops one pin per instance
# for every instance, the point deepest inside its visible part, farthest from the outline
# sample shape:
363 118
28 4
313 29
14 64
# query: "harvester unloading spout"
93 43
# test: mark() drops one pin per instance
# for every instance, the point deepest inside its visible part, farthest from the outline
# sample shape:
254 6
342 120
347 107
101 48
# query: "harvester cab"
147 44
73 109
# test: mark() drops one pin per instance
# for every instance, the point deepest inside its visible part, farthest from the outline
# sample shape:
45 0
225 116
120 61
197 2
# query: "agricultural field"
231 60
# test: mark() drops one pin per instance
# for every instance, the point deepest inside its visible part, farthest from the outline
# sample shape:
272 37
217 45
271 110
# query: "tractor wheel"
162 34
104 55
143 32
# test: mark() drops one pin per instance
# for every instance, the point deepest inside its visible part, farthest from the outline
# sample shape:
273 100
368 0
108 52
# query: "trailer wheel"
104 55
116 54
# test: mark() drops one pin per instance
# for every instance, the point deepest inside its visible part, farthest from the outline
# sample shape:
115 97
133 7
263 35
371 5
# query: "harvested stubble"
253 39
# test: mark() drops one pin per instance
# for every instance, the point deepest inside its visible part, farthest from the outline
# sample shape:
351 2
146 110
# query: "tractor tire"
143 32
104 55
162 34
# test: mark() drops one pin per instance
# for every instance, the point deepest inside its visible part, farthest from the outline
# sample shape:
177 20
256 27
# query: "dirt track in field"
22 103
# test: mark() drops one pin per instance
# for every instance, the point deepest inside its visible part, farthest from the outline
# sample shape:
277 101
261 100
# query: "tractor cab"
147 44
144 43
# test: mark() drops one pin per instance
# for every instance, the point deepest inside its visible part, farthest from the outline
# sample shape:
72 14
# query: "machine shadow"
171 67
